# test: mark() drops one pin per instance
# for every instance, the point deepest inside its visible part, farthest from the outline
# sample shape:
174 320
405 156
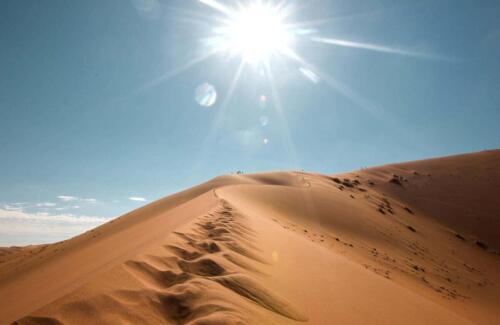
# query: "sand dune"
405 243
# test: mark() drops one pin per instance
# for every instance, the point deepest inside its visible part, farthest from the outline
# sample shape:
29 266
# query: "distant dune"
408 243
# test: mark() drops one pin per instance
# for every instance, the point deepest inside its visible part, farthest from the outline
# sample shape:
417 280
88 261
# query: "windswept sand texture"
407 243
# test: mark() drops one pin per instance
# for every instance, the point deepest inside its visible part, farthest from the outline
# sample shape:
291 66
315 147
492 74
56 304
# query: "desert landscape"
406 243
262 162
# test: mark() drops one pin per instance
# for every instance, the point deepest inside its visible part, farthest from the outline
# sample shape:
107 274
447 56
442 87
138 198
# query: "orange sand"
411 243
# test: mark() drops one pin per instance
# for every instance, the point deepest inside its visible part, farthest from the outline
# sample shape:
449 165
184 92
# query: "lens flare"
263 101
206 95
264 120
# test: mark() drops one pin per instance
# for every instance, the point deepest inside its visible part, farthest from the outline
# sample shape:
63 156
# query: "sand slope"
406 243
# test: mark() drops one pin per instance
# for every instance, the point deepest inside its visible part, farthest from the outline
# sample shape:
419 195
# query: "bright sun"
256 32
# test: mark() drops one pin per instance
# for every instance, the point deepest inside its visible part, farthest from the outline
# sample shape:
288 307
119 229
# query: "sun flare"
256 32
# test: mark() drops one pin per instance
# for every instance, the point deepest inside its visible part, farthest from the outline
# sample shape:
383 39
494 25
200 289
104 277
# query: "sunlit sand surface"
410 243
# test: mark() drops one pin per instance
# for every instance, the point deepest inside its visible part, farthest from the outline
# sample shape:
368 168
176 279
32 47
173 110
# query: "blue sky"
95 105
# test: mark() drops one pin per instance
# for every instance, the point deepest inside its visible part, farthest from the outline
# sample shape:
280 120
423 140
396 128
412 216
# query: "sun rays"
255 32
377 48
266 35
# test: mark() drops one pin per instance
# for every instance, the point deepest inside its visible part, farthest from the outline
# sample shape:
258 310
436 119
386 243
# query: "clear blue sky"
81 115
